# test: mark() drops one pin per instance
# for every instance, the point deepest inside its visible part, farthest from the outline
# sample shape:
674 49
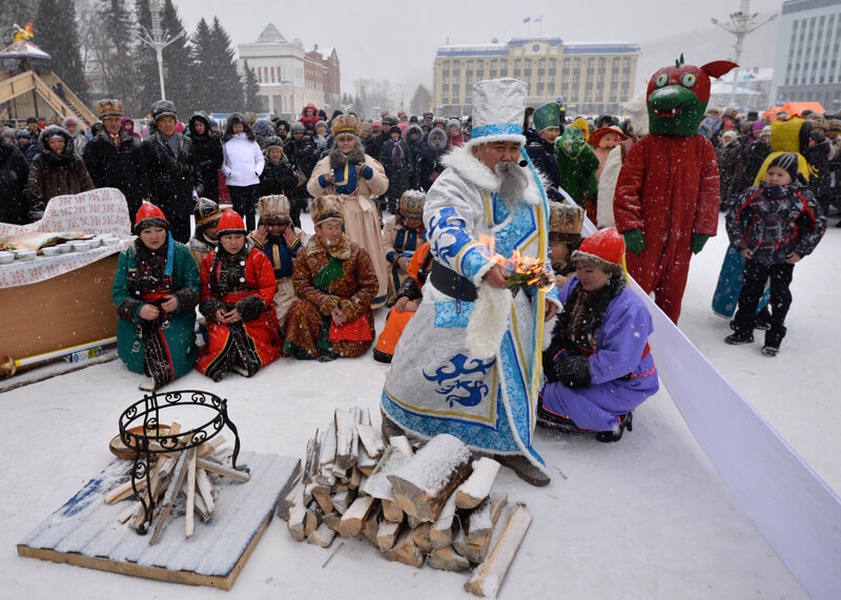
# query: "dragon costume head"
574 139
677 96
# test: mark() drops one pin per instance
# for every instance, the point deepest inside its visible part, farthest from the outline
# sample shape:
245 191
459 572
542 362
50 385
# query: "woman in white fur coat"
242 166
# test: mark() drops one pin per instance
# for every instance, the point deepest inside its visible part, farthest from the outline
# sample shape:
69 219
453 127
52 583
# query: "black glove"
572 371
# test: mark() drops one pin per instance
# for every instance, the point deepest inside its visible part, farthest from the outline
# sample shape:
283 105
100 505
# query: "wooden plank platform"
85 531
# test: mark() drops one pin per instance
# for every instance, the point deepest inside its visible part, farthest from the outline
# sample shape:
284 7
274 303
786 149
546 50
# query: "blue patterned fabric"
435 385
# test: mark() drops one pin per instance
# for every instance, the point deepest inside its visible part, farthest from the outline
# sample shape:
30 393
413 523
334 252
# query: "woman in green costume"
156 290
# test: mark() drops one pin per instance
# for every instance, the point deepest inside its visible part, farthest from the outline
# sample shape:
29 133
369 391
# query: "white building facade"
290 77
808 66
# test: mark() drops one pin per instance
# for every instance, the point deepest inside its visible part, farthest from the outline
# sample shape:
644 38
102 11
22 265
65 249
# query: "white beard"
512 181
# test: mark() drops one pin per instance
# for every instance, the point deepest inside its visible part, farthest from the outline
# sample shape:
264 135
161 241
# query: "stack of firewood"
430 505
183 482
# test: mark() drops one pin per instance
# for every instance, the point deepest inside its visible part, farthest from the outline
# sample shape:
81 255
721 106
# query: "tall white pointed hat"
499 106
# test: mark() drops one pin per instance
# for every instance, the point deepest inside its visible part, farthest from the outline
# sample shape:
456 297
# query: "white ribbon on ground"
796 512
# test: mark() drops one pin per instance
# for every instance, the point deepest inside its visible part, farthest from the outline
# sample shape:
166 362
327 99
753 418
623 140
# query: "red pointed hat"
230 222
149 215
604 249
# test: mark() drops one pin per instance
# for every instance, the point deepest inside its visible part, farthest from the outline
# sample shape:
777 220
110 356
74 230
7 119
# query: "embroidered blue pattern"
455 384
452 313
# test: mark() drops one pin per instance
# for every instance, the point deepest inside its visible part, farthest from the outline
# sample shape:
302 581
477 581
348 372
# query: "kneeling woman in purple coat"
598 366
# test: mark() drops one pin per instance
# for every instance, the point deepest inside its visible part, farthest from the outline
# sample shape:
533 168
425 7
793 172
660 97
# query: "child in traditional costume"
402 235
280 241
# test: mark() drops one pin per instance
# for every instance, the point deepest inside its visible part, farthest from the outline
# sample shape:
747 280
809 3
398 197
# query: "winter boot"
524 469
739 337
626 421
763 319
548 420
773 339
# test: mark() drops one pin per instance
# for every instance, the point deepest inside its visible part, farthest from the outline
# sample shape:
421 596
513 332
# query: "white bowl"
79 246
94 242
6 257
25 254
49 251
110 241
63 248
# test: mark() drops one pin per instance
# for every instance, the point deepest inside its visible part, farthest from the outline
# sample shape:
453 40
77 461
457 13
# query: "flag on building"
527 20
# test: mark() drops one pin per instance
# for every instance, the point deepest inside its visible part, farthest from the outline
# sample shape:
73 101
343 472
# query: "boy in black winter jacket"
773 225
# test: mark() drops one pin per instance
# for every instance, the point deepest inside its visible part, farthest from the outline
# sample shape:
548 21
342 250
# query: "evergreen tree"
203 83
20 12
253 101
421 100
114 49
228 90
177 61
58 36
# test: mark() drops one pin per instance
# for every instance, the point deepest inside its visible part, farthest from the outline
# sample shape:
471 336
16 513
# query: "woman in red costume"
238 286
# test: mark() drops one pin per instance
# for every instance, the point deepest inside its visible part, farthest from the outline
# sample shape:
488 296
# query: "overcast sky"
397 39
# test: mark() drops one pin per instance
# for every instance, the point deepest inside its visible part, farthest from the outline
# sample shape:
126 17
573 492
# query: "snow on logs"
180 482
433 504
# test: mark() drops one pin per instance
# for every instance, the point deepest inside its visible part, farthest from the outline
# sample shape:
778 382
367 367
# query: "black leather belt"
451 283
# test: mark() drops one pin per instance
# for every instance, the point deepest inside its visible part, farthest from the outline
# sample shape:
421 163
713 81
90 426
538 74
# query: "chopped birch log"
392 512
332 520
372 440
297 515
478 526
405 551
355 478
313 518
422 485
189 514
378 484
402 442
472 552
478 486
355 416
201 507
372 524
325 501
311 460
422 540
345 427
342 500
215 467
355 516
172 493
208 448
387 535
328 446
206 491
323 536
365 464
444 528
488 576
447 559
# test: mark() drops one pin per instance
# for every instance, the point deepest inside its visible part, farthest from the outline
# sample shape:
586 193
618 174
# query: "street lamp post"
741 24
158 40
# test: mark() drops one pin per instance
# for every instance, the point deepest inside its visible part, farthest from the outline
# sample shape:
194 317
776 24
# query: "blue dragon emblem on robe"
455 386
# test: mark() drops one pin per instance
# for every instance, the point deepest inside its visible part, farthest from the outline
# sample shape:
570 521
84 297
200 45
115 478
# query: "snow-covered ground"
647 517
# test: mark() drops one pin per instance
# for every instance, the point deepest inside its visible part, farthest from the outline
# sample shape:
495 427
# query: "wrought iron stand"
151 442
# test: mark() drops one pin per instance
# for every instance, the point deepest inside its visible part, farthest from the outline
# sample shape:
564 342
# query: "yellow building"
588 78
